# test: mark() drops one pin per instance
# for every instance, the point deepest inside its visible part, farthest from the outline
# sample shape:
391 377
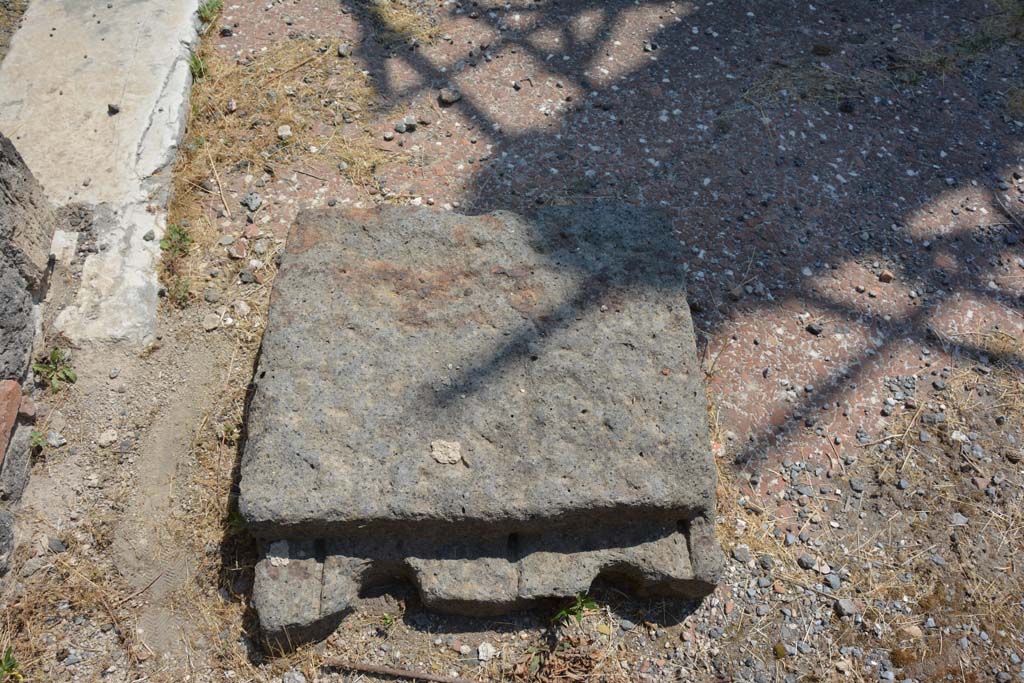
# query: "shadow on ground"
841 195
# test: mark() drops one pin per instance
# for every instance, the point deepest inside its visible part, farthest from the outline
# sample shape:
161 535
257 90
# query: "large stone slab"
95 97
492 372
497 409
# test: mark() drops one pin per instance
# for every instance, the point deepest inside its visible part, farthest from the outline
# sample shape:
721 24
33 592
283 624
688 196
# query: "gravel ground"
848 180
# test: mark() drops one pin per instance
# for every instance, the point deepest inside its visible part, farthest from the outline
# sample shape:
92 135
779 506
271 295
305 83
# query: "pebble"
293 676
845 607
741 554
211 295
211 321
252 201
55 439
449 96
485 652
107 438
284 133
56 545
344 50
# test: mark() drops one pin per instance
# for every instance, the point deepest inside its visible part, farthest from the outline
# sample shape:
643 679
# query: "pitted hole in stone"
387 577
513 546
620 577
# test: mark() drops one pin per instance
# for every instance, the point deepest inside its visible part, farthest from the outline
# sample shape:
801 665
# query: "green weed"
55 370
197 65
580 604
176 242
209 10
10 671
180 291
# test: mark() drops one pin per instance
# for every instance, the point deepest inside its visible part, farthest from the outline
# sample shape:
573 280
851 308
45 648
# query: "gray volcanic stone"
17 464
499 409
16 323
27 220
303 588
491 371
6 539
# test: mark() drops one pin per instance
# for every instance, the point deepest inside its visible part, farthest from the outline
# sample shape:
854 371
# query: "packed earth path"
846 182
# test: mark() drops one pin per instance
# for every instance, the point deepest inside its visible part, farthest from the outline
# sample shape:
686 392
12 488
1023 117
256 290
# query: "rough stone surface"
304 588
558 352
6 539
27 221
500 409
10 399
17 465
16 323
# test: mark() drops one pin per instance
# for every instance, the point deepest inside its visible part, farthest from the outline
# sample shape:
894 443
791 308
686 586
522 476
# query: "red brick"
10 401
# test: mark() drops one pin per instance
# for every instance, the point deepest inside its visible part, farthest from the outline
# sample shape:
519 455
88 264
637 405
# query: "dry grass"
237 109
1015 101
400 21
805 81
72 584
1007 22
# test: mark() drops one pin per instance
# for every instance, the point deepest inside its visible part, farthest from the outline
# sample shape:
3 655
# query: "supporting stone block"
500 409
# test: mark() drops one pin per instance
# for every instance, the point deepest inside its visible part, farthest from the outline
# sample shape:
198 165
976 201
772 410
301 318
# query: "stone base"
500 409
304 588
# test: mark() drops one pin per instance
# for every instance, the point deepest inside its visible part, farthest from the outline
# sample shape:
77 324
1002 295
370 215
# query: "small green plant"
580 604
197 65
37 440
209 10
55 370
9 668
176 242
180 292
388 620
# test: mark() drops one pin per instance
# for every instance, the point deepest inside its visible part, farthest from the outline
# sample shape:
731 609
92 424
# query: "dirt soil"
848 182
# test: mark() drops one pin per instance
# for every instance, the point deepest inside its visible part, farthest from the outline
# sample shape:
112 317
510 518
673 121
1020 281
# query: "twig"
1007 211
304 62
323 180
198 187
216 177
389 671
139 592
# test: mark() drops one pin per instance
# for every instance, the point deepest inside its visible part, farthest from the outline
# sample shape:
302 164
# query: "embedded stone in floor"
530 385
